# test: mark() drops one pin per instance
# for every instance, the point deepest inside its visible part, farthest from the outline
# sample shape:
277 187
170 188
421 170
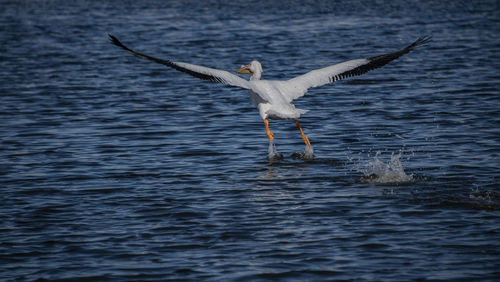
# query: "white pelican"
274 98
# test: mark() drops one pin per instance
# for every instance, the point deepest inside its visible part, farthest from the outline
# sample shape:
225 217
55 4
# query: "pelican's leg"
272 153
304 137
308 152
269 134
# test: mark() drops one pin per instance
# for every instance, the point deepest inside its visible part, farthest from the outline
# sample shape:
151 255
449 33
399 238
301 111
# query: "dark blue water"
115 168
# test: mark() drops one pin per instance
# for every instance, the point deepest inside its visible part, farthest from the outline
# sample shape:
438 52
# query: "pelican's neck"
256 76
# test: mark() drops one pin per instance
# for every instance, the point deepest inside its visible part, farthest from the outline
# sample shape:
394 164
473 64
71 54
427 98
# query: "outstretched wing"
298 86
213 75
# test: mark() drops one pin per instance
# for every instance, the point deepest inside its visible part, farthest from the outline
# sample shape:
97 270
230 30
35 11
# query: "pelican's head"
254 68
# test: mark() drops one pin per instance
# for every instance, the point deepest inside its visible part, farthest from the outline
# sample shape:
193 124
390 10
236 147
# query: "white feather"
225 76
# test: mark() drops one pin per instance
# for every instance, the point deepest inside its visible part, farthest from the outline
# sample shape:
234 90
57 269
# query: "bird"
273 98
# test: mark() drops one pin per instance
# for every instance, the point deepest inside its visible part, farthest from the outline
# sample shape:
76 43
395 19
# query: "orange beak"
245 70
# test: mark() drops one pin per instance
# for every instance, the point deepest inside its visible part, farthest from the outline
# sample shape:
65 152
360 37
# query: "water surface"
115 168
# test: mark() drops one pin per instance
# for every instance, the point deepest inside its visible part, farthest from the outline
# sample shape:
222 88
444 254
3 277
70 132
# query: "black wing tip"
420 41
115 41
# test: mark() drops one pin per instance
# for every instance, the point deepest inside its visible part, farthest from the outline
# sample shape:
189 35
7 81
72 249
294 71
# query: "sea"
114 168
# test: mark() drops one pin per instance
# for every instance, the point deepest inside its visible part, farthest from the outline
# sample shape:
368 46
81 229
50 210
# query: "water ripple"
114 168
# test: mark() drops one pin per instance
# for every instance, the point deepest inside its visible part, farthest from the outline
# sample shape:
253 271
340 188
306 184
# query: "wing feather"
298 86
210 74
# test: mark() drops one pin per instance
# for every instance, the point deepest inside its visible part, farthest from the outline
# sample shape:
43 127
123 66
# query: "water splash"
376 171
308 154
273 154
484 199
